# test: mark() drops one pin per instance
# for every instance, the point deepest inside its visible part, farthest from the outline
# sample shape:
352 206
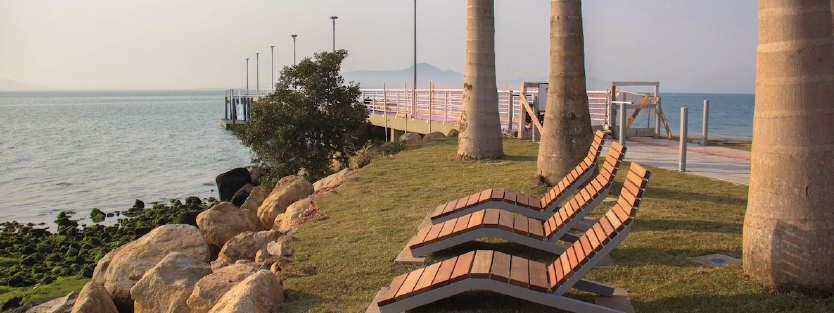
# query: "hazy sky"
689 46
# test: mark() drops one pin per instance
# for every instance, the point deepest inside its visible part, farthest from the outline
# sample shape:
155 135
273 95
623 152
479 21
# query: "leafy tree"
306 123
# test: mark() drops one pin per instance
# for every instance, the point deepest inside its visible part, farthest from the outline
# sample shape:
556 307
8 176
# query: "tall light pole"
272 56
257 73
247 75
414 85
334 31
293 49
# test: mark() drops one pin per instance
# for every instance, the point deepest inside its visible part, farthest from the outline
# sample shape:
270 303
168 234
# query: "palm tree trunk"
480 127
567 121
789 225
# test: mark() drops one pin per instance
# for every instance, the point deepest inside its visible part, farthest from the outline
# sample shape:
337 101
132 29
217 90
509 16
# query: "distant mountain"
13 85
441 78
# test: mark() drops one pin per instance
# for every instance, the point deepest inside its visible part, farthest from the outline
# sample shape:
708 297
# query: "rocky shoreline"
229 262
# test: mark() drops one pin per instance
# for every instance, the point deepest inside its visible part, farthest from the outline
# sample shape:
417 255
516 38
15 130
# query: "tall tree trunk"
567 122
789 225
480 127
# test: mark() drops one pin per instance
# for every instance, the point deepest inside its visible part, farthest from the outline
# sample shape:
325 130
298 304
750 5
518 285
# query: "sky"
688 46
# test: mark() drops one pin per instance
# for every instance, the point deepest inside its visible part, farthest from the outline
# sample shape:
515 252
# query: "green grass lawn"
340 263
11 297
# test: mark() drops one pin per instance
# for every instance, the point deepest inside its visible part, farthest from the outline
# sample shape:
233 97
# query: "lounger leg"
594 287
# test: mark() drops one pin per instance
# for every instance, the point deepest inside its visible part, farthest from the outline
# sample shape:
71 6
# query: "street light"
293 49
257 73
414 86
247 75
272 56
334 31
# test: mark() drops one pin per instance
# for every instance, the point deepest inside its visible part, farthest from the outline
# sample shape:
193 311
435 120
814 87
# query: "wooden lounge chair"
518 228
519 277
539 208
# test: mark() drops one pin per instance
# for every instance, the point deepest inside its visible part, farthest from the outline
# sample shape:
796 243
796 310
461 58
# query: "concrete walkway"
715 162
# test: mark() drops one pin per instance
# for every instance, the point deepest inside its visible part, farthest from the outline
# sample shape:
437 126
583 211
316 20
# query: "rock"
255 176
244 247
280 247
229 182
452 133
93 298
332 181
58 305
410 137
138 308
167 286
373 150
224 221
287 191
275 268
285 222
262 256
133 260
258 293
253 202
103 264
242 194
208 291
387 147
434 135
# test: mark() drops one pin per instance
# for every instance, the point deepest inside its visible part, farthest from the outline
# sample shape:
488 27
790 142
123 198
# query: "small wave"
64 184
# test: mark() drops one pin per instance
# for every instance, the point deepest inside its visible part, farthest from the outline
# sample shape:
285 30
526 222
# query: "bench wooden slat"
444 273
579 252
448 228
586 246
477 220
600 232
636 179
439 210
424 284
552 270
535 228
573 262
632 188
520 272
593 240
639 170
498 194
621 214
615 222
473 199
407 289
617 146
621 201
462 267
505 221
482 264
607 229
418 239
510 196
461 204
587 196
538 276
566 268
461 226
433 233
485 196
633 202
491 218
500 269
388 296
521 225
450 207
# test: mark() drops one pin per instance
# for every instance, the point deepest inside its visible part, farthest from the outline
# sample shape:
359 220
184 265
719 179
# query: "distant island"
14 85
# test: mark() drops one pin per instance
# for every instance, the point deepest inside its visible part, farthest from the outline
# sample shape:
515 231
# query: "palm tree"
480 127
789 222
567 121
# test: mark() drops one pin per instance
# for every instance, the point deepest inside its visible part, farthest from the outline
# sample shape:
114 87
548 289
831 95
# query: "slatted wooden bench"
518 228
519 277
540 208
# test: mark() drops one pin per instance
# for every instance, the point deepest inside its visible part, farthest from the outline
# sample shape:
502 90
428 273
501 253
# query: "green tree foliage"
306 123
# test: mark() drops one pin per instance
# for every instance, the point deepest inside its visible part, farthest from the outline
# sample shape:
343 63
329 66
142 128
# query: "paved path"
715 162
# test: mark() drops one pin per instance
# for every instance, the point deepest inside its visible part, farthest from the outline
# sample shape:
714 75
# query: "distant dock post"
706 122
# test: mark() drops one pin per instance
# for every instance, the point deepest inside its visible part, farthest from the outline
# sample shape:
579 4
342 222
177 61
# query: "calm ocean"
83 149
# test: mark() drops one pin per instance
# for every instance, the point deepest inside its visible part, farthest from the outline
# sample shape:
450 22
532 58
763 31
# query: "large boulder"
242 194
93 298
208 291
280 247
58 305
244 246
452 133
333 180
133 260
410 137
253 202
434 135
230 182
284 222
287 191
167 286
224 221
258 293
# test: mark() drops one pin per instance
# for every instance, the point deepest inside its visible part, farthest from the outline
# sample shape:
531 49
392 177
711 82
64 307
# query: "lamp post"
293 49
272 56
414 86
334 31
247 75
257 73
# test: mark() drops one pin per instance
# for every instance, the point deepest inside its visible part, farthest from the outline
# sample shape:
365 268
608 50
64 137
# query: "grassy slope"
340 263
58 288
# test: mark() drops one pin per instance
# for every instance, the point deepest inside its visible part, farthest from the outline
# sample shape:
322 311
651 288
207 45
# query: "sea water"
730 115
103 149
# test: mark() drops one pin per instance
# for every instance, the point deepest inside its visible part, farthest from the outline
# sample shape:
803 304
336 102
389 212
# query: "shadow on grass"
654 192
487 301
646 224
748 302
666 257
301 301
